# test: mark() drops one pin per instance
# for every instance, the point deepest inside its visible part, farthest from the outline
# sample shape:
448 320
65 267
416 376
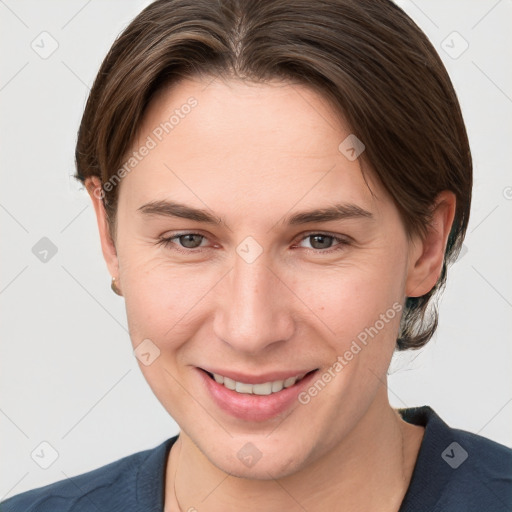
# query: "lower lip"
251 407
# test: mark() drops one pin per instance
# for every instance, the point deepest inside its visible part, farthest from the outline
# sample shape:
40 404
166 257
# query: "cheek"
162 299
163 307
166 301
350 300
156 301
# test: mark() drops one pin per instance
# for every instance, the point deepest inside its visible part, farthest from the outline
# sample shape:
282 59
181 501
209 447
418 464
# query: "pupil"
189 240
321 237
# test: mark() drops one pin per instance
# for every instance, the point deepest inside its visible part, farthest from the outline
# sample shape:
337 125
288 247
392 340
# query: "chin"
251 463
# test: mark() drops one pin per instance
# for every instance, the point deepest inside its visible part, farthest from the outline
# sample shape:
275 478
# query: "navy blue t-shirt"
456 471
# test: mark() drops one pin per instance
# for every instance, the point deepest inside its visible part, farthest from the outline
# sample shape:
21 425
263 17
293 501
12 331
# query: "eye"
322 241
190 243
187 241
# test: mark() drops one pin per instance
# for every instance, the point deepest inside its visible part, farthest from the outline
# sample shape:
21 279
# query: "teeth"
240 387
265 388
262 389
277 386
290 381
229 383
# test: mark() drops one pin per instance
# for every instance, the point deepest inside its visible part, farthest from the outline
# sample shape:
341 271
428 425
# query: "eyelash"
343 242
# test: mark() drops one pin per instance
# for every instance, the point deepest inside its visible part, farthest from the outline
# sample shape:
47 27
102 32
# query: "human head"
251 108
367 57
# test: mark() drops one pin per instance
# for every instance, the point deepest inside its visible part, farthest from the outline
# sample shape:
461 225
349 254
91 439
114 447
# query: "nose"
254 310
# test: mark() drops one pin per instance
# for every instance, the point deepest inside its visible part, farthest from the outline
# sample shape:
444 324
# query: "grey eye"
324 241
190 241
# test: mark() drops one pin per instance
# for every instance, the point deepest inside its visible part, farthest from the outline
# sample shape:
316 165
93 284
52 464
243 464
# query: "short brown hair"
366 56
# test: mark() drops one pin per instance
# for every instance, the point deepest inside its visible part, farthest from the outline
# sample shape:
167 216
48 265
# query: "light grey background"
68 375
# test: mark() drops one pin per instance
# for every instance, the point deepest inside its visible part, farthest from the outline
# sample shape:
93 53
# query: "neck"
369 470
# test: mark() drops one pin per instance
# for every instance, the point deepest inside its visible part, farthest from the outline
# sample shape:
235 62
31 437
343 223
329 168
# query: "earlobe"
93 186
427 254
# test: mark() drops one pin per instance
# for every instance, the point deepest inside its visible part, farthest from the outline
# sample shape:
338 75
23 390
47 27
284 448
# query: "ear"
426 255
93 186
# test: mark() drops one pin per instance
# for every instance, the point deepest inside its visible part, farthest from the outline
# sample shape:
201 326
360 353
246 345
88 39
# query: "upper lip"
257 379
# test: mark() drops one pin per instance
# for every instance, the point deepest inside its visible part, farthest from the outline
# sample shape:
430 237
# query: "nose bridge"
254 313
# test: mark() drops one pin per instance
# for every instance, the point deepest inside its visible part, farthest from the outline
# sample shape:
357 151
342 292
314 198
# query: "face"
251 287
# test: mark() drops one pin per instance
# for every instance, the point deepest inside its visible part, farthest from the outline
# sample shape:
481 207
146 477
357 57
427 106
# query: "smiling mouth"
264 388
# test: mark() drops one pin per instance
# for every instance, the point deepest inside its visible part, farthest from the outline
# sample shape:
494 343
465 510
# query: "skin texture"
253 155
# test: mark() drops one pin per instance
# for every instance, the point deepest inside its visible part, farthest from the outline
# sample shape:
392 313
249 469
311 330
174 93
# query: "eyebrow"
337 212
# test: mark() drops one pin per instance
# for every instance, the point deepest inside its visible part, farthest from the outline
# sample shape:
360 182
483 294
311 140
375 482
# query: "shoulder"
458 470
111 487
489 457
481 472
95 486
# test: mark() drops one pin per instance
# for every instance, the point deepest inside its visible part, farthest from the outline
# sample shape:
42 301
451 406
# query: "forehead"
253 145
